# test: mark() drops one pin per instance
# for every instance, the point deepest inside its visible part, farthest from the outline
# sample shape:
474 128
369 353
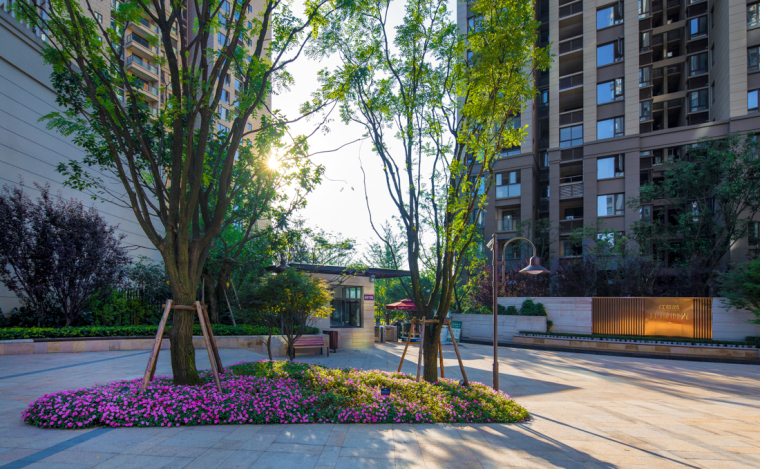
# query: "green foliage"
531 308
549 325
753 340
511 310
741 287
644 338
13 333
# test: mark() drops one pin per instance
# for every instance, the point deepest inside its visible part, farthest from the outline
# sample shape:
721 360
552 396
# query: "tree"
741 287
56 254
175 168
438 107
294 300
387 255
316 246
705 203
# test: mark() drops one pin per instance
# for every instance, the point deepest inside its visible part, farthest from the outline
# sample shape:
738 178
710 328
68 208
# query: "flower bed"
276 392
15 333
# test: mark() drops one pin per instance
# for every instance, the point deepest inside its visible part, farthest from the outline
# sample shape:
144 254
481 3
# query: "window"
754 234
609 91
224 113
644 8
347 307
99 17
645 111
752 18
512 151
570 248
225 96
250 9
609 205
248 127
510 221
645 213
609 16
478 217
698 101
226 6
221 39
698 27
645 41
610 167
221 128
645 76
543 160
227 79
753 59
698 64
609 53
508 184
571 136
752 101
222 20
610 128
238 85
605 242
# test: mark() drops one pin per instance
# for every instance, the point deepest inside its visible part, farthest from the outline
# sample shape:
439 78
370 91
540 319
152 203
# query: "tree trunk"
269 345
181 339
430 353
212 300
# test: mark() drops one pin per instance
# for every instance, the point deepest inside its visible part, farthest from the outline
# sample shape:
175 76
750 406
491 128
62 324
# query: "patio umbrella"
403 305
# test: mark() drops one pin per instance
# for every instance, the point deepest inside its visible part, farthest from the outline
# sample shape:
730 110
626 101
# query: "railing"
136 38
142 63
571 81
508 224
568 226
571 191
570 179
509 190
571 45
147 24
150 89
571 9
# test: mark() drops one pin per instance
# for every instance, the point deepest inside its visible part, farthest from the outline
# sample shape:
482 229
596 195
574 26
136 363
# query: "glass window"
347 307
645 41
609 16
754 234
478 217
644 8
752 18
698 101
225 96
645 76
571 136
698 27
610 167
510 221
753 59
609 91
221 128
609 205
508 184
752 101
610 128
248 127
568 248
512 151
698 64
645 110
609 53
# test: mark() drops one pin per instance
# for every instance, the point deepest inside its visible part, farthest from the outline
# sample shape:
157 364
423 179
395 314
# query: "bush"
14 333
269 392
753 340
530 308
511 310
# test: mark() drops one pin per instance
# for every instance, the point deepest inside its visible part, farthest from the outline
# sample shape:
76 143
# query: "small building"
353 315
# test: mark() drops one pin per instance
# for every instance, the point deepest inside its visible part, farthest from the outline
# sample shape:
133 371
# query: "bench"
311 342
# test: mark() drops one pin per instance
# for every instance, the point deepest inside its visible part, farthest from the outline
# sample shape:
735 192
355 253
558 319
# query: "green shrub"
753 340
530 308
13 333
549 325
512 310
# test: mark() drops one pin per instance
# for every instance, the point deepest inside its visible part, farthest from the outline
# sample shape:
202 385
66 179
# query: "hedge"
13 333
646 338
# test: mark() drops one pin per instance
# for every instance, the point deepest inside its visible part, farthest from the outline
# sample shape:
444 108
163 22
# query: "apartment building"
30 153
632 85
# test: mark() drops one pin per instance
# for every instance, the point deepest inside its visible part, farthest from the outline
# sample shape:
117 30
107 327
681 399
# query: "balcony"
137 43
565 83
146 26
509 190
567 226
149 92
507 224
569 10
141 67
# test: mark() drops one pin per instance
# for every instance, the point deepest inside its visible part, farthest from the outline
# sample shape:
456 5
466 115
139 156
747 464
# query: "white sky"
338 205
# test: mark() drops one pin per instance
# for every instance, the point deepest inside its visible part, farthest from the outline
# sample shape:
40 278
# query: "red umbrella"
403 305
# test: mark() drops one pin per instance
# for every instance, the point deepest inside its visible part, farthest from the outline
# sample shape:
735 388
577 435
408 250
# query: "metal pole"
495 313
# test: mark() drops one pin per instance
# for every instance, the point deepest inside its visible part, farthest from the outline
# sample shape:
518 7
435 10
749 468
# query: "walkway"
590 412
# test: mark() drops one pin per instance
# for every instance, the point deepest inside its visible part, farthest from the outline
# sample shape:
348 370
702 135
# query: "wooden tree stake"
215 349
150 370
456 349
209 345
408 339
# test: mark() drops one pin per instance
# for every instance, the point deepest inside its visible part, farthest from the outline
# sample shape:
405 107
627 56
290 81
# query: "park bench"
311 342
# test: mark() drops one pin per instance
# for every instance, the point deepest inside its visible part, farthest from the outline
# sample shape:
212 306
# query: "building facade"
30 153
631 86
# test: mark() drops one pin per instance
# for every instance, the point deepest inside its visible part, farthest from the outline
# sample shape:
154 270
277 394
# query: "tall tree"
703 206
316 246
438 107
174 167
388 254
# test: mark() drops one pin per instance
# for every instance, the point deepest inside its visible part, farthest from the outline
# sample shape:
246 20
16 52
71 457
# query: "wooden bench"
311 342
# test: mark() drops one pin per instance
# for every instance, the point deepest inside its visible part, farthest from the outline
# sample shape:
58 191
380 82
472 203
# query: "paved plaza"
589 411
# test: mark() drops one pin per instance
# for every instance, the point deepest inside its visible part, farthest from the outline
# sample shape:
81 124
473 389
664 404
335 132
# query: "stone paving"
589 411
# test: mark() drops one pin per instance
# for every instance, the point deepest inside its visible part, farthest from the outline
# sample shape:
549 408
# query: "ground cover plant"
13 333
269 392
748 341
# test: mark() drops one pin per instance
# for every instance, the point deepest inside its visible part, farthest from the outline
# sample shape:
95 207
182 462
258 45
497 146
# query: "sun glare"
273 162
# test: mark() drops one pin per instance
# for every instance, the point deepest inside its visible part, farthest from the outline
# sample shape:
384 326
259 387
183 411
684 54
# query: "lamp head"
534 267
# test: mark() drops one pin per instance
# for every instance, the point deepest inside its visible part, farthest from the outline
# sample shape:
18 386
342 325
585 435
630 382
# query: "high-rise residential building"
632 85
30 152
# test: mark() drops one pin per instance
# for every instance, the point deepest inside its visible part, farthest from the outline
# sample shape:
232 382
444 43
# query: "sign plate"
385 391
669 317
369 297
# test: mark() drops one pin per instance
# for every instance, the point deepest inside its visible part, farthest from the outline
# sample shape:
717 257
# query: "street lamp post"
534 268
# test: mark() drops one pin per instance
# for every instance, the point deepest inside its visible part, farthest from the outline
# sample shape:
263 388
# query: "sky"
339 205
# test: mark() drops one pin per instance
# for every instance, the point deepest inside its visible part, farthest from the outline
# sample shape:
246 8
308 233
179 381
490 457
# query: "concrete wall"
480 326
571 315
731 324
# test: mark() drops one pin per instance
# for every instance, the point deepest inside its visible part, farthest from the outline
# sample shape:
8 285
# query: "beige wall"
353 337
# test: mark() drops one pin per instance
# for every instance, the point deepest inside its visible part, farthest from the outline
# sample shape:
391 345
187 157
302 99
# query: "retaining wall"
572 315
480 326
731 324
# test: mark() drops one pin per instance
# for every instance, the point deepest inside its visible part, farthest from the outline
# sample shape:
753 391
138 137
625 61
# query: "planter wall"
254 343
